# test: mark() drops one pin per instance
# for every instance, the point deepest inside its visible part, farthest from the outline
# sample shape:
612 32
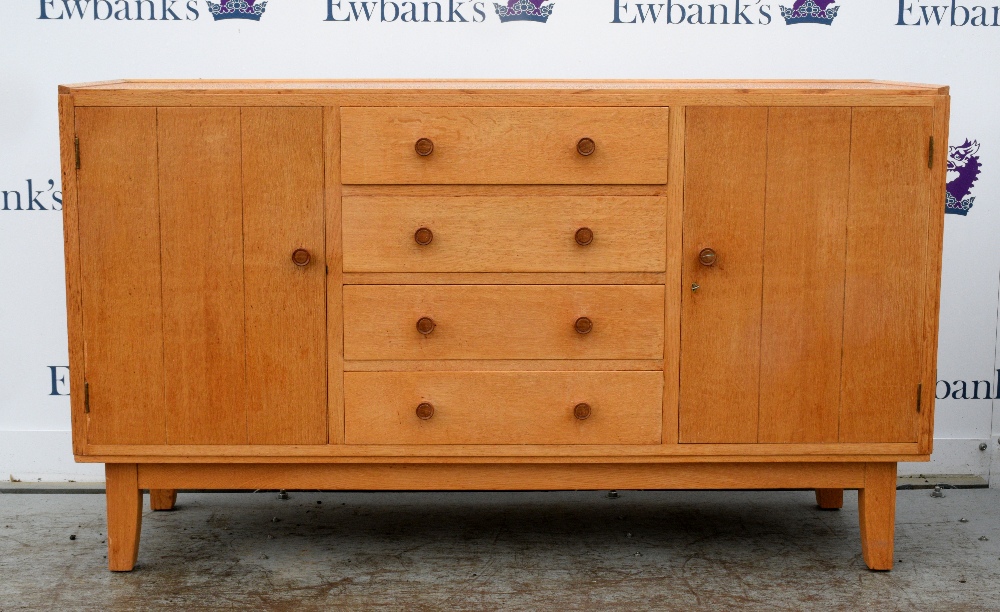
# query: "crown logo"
524 10
237 9
810 11
963 171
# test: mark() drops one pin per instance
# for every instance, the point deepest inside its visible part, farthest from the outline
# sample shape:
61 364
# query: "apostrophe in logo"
810 11
237 9
524 10
963 171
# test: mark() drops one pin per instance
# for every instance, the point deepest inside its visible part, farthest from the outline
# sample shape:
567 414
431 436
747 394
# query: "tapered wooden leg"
162 499
124 515
877 509
830 499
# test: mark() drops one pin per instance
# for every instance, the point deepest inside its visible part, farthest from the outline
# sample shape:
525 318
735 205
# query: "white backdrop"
47 42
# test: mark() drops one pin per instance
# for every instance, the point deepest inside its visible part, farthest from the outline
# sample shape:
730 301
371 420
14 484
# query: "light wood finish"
796 364
720 322
201 225
830 499
334 278
503 477
504 145
120 276
162 499
283 170
877 512
503 234
503 407
503 322
805 237
124 500
883 303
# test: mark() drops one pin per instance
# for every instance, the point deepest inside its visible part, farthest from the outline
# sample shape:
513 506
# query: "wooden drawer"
504 234
503 407
503 321
504 145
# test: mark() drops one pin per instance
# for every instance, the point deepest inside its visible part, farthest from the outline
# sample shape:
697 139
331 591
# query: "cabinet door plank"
285 303
120 272
808 170
890 195
202 236
725 163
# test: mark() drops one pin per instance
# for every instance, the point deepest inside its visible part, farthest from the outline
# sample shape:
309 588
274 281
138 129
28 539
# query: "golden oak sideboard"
503 285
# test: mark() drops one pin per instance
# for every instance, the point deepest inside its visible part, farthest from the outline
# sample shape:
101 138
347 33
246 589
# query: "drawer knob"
581 411
423 236
583 325
425 325
708 257
586 146
584 236
424 147
301 257
425 411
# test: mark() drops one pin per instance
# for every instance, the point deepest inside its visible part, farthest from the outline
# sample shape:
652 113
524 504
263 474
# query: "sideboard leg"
124 515
162 499
830 499
877 510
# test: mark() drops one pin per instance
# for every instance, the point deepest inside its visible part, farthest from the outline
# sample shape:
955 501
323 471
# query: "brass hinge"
920 395
930 154
76 147
86 397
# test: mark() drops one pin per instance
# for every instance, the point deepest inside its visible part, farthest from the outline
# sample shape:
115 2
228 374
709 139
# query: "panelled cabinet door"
803 323
120 272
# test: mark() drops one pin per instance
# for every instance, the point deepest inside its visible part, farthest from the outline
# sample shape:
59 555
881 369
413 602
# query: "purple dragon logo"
237 9
810 11
524 10
963 171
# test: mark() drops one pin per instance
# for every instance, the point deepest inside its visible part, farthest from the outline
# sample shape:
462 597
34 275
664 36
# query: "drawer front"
504 234
503 322
504 145
503 407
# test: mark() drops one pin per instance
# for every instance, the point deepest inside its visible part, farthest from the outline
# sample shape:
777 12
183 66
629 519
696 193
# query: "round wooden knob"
707 257
581 411
424 147
423 236
425 325
301 257
584 236
586 146
425 411
583 325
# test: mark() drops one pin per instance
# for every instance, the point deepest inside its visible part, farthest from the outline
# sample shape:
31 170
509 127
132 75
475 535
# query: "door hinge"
930 154
76 148
86 397
920 395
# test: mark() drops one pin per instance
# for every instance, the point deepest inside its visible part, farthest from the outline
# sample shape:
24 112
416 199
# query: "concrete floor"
486 551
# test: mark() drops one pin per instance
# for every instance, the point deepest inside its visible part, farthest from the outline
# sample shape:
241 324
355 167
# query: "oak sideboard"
444 285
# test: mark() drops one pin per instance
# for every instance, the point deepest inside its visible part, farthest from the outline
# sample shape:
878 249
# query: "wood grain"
504 145
334 278
120 276
503 477
493 365
720 323
672 283
887 263
503 234
283 170
503 322
504 278
124 500
74 280
162 499
503 407
830 499
203 290
805 235
877 514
